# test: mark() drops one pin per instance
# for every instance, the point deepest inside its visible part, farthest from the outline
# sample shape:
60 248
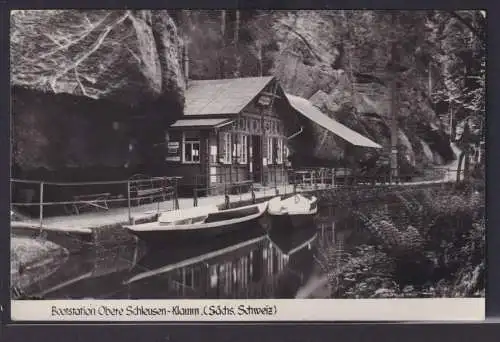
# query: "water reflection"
255 267
255 264
259 263
340 229
91 274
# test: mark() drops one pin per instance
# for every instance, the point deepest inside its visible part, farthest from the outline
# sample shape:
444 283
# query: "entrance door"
256 158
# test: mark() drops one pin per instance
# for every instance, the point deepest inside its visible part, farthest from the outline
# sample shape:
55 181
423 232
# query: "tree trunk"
237 27
259 47
459 168
466 164
237 70
430 80
220 54
394 58
223 24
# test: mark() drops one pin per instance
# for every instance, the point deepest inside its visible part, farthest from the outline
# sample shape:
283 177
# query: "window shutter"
222 147
239 145
280 151
236 148
265 149
275 150
228 149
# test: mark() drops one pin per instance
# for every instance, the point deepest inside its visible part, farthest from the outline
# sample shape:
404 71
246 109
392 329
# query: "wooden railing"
91 196
309 179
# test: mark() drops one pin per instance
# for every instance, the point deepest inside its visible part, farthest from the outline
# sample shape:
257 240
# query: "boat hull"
164 237
293 212
287 222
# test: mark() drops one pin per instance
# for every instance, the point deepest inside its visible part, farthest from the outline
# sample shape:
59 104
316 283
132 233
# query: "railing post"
41 206
129 203
225 183
176 194
195 191
275 181
282 176
253 194
294 183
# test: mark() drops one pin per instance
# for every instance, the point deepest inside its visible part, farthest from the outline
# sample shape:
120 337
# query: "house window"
279 152
236 148
213 152
287 154
225 148
191 148
270 147
244 149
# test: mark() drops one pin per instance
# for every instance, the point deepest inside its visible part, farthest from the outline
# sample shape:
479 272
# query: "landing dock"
86 222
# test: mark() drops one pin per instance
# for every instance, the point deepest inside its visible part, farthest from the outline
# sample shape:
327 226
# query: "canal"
424 244
273 263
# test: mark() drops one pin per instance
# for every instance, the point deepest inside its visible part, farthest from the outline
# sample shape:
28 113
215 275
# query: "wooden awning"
200 123
307 109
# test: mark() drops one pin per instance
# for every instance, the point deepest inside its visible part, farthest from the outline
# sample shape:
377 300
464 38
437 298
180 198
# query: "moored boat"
292 212
198 222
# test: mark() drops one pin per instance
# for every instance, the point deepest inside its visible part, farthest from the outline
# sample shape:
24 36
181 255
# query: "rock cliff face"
312 63
79 77
122 55
308 52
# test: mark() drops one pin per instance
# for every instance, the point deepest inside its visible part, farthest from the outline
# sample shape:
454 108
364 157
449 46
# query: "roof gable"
222 96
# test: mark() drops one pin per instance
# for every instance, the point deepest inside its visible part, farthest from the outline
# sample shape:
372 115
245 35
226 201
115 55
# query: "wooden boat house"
232 130
237 130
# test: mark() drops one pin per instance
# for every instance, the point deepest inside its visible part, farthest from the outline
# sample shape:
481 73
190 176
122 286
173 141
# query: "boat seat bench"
229 215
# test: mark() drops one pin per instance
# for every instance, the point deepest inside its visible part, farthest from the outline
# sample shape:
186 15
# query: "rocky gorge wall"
308 53
74 73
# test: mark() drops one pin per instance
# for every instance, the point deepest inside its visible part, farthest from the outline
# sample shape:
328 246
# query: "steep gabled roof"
222 96
313 113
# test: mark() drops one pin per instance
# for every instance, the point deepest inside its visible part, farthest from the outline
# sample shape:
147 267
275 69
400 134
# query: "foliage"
431 243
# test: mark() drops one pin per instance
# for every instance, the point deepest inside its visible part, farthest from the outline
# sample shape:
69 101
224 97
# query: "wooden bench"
305 178
92 201
146 188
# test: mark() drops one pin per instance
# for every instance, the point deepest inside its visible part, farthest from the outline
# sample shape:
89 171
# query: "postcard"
247 165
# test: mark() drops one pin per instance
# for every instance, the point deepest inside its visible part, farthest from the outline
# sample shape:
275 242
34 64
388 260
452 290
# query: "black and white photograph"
238 155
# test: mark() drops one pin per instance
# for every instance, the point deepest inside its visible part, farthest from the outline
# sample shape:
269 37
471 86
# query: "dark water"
254 264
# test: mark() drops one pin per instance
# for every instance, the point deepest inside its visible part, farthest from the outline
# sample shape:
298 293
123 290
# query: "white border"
466 309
